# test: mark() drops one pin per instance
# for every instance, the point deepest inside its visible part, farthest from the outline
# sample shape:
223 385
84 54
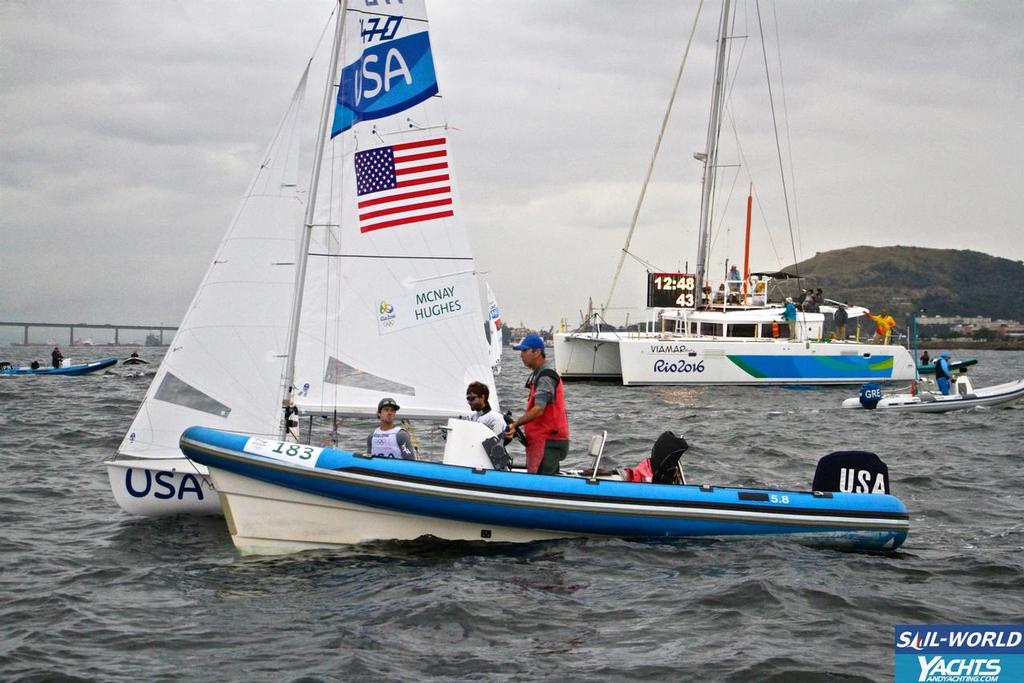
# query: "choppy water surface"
91 593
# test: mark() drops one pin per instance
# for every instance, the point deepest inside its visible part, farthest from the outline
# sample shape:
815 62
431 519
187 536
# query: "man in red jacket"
544 422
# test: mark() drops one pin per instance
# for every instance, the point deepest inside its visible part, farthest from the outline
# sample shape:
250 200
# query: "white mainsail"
223 368
390 301
494 328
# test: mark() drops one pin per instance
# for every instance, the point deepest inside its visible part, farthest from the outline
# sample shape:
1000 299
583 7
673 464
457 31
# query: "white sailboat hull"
590 356
649 359
161 487
710 360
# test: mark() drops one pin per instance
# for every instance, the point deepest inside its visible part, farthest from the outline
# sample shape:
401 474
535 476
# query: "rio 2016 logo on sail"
681 366
386 314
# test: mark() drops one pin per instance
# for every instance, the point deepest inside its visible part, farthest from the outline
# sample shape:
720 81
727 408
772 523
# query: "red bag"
642 473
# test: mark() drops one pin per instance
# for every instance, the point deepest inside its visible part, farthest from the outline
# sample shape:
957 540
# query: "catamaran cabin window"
766 330
711 330
744 330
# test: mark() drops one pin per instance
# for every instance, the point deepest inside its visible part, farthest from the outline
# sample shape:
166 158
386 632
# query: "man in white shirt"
477 395
387 440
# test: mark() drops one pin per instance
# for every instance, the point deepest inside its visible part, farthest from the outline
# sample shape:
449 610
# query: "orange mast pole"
746 248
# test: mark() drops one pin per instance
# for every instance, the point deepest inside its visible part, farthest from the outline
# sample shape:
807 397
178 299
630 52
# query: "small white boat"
963 396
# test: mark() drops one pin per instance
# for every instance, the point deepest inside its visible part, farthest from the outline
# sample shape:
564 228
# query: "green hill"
905 279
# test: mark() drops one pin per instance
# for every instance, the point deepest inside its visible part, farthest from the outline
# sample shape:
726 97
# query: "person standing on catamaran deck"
789 315
884 325
387 440
839 318
478 395
544 422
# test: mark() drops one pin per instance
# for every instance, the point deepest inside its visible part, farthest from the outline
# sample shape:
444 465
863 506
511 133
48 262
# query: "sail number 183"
288 451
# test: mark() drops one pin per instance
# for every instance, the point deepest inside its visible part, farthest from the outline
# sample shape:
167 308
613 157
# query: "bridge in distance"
71 327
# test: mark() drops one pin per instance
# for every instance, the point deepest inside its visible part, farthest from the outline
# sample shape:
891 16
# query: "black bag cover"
496 452
851 472
665 457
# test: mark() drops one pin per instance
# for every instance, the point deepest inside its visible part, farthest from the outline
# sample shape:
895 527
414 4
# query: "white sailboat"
370 292
225 363
494 331
744 342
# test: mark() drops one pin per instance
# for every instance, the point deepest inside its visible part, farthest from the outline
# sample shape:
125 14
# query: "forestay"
225 363
390 303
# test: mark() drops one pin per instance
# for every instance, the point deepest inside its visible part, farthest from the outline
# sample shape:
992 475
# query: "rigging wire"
654 156
775 128
789 137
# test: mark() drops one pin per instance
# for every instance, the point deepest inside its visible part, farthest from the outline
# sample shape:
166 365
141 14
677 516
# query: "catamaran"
696 337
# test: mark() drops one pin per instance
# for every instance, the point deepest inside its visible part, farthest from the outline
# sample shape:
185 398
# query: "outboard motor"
665 457
870 395
497 453
851 472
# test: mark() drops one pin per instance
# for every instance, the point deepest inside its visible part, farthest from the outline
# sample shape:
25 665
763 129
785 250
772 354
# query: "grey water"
88 592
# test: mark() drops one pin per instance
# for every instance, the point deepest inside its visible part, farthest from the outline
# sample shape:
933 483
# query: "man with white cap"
387 440
544 422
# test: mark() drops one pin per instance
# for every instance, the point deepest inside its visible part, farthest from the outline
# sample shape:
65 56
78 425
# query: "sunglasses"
470 398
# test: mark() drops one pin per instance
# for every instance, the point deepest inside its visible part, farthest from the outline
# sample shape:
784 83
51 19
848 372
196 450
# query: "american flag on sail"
402 184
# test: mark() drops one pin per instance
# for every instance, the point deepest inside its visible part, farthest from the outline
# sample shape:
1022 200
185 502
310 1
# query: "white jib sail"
494 325
223 368
391 305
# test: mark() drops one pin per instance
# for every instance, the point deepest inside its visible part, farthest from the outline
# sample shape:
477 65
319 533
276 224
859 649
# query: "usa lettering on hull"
162 485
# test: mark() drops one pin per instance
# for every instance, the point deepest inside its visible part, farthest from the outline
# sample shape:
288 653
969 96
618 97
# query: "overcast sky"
130 130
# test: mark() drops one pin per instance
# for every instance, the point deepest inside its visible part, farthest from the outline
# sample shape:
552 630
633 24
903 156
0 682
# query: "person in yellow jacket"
884 325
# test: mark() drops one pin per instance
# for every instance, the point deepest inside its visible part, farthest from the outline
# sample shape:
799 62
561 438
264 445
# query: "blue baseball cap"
530 341
943 355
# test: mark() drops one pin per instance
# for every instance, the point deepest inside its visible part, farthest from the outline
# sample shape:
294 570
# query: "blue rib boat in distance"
78 369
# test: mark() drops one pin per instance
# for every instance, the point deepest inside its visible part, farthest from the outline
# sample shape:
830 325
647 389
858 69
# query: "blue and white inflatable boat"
962 397
283 497
77 369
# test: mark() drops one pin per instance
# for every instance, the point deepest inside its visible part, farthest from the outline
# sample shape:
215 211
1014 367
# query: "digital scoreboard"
671 290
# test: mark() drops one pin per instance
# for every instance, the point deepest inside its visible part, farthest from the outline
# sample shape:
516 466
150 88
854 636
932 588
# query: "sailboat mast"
330 93
711 150
746 241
